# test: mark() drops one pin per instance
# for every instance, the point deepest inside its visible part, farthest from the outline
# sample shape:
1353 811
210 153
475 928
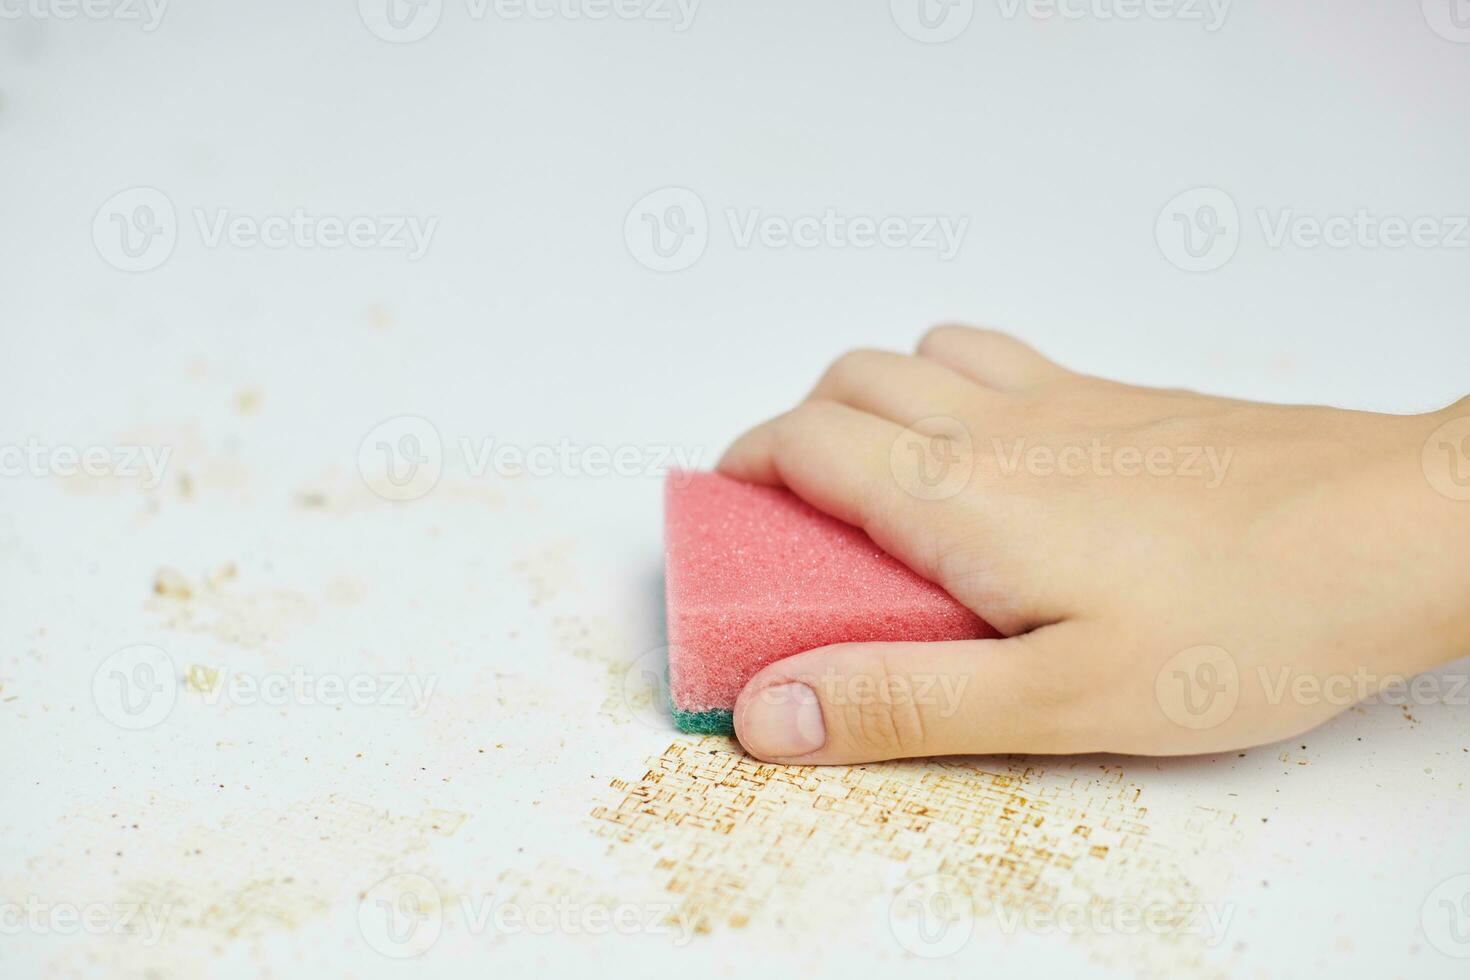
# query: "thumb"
865 702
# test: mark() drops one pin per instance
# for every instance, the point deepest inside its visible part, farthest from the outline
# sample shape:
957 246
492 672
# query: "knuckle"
791 424
804 417
938 337
965 557
851 366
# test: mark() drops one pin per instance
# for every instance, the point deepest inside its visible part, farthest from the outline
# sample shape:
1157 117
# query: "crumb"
248 401
201 679
170 582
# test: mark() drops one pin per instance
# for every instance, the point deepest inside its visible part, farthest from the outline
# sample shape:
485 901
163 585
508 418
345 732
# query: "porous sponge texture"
754 574
713 722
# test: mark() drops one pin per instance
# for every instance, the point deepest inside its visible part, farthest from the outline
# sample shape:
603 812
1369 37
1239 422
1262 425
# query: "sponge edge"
753 575
714 722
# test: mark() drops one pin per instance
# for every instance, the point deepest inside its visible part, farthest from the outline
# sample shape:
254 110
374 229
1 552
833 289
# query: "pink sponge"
754 574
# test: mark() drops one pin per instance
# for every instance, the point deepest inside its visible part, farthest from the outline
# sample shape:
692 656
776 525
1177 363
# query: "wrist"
1439 495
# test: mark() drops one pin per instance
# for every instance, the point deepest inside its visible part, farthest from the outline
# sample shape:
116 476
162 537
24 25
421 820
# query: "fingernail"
783 720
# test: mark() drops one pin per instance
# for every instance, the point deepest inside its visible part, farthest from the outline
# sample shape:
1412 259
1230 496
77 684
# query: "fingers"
866 702
995 360
901 388
841 461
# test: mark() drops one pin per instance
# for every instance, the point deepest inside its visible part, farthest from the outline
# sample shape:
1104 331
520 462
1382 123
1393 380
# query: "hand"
1173 573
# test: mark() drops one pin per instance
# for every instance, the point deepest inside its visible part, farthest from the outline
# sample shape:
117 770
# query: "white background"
530 320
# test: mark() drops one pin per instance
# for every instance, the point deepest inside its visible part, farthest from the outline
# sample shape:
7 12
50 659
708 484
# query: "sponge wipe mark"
754 575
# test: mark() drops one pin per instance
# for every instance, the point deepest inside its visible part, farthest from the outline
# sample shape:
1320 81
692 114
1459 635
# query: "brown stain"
249 400
194 467
736 841
593 639
209 605
201 678
378 317
547 573
344 590
338 492
602 643
245 876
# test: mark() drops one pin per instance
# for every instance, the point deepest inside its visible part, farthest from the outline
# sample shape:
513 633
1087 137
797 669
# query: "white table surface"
258 833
